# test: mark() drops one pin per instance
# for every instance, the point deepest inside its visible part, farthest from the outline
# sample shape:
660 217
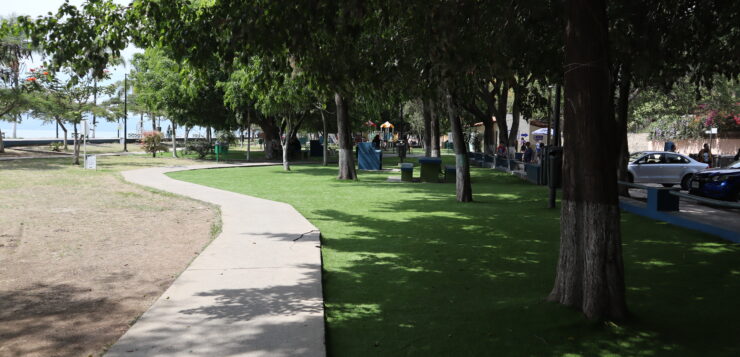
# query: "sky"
30 128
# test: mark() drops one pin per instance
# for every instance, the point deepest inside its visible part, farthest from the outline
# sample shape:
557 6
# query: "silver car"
663 167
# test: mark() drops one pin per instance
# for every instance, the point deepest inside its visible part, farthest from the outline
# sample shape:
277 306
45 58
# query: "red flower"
33 70
46 73
31 79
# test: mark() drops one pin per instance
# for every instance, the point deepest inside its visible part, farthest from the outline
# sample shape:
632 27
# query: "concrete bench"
430 169
450 173
407 171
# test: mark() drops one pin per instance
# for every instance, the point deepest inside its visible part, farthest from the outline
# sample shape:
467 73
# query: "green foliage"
153 142
201 147
687 110
56 146
226 137
14 91
85 39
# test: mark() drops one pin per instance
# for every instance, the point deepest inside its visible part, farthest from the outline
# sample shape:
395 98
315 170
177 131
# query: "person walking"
705 155
528 152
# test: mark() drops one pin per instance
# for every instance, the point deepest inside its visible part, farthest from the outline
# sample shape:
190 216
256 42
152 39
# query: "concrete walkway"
254 291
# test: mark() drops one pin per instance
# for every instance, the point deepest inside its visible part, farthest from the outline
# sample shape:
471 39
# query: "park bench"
430 169
450 173
407 171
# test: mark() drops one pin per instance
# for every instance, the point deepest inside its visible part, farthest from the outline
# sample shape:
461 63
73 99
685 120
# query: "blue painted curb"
676 220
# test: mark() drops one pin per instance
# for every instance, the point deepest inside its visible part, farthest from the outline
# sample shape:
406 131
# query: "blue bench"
407 171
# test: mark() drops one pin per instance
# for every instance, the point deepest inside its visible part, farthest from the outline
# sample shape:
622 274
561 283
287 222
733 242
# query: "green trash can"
217 149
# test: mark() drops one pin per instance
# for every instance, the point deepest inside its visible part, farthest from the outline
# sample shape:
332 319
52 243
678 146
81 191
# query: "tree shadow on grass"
474 279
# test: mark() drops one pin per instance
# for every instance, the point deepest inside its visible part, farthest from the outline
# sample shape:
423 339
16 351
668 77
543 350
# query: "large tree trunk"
463 189
502 101
271 134
325 147
489 145
515 117
344 136
436 150
621 127
427 115
2 144
590 272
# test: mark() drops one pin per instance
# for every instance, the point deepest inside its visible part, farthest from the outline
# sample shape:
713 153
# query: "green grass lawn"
409 271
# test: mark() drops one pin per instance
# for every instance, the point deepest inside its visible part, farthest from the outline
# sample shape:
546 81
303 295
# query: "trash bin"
217 149
555 167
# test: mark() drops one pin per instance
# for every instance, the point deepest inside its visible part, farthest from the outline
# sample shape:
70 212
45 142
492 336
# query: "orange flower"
46 73
31 79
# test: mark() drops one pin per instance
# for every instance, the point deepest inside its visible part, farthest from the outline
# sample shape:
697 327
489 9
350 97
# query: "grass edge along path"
409 271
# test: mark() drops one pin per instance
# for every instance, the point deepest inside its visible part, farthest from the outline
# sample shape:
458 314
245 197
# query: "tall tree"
590 272
13 90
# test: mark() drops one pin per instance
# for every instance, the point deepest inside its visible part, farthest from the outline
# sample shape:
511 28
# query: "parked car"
663 167
721 183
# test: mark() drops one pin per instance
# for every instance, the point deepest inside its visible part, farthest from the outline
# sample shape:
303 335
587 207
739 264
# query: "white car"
663 167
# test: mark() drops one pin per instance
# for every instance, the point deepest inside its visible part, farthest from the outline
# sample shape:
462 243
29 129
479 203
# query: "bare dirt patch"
83 254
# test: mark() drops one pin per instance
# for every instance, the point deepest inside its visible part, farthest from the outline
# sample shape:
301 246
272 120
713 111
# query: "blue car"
721 183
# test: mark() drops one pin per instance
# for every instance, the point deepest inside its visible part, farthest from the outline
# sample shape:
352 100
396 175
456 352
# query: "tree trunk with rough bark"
463 189
590 272
344 136
436 150
325 146
622 113
427 115
271 134
489 144
500 112
515 117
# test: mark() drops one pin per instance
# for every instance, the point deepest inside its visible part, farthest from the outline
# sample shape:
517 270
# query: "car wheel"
667 184
686 182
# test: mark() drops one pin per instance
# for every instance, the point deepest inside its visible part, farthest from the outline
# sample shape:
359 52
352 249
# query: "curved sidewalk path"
254 291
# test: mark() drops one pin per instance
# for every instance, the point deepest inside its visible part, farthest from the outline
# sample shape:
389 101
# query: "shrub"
152 142
226 137
200 147
56 146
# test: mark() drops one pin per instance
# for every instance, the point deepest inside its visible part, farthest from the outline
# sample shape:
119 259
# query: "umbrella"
386 125
370 123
